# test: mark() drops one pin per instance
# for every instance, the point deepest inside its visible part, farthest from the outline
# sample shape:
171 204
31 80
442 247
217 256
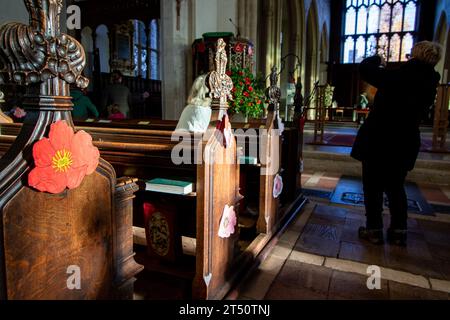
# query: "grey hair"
199 92
428 52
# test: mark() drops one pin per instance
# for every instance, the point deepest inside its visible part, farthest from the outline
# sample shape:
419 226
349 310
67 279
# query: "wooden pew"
75 244
216 186
290 149
146 154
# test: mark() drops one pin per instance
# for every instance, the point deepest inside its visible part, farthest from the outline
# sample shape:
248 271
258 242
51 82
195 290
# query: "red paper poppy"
201 47
62 160
239 47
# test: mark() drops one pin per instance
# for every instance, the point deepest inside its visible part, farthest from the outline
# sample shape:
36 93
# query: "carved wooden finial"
220 84
40 53
273 93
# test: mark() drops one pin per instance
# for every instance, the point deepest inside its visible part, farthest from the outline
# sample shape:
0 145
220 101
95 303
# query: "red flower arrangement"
62 160
247 98
239 47
201 47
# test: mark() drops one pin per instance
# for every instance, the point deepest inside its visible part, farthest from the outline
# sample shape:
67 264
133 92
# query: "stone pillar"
175 48
248 20
270 35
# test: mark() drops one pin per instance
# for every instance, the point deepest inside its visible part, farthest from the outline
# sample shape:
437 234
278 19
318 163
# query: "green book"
248 160
169 186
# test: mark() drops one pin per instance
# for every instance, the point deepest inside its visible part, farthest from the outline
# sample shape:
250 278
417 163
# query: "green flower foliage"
248 96
329 91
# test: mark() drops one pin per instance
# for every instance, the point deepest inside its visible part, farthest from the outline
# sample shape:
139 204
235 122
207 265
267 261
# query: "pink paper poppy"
277 186
62 160
228 222
19 113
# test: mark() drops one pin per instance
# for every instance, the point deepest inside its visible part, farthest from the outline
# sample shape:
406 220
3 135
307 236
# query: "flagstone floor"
321 257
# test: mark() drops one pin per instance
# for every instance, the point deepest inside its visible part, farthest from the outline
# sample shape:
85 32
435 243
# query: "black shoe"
397 237
374 236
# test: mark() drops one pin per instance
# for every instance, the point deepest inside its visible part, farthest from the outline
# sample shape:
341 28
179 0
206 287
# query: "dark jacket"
390 135
82 105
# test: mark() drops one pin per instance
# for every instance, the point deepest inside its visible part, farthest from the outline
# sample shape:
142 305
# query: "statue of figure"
220 84
298 98
273 93
274 77
221 57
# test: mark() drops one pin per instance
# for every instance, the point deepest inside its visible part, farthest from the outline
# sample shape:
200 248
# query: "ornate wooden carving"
43 235
219 83
273 93
217 186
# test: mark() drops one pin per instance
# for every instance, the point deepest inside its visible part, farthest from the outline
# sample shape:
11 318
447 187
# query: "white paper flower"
228 222
228 135
277 186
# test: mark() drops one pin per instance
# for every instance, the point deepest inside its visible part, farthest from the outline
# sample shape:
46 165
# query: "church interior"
202 150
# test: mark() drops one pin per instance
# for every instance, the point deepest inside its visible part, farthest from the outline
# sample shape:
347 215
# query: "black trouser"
379 179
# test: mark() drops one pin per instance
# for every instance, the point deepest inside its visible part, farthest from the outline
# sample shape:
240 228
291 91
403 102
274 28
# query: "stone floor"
321 257
327 182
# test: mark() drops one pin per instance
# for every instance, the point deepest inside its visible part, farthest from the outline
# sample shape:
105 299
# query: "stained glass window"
146 49
386 27
154 50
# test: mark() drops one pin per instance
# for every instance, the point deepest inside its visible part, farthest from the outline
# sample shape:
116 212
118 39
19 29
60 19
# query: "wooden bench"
289 164
67 245
146 154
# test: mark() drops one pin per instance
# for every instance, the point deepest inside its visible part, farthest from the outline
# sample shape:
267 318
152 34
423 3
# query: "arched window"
154 50
386 27
102 44
146 49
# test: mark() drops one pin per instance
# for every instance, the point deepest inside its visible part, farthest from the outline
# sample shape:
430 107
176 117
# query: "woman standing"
388 142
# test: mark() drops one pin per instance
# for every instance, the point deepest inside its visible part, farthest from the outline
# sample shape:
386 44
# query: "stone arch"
102 44
87 42
323 55
312 39
292 29
441 36
292 40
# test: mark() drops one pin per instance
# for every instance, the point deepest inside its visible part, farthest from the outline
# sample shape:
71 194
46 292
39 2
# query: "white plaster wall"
213 16
205 17
226 10
13 11
196 17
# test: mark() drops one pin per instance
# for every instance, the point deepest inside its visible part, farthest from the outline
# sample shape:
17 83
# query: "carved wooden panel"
44 237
